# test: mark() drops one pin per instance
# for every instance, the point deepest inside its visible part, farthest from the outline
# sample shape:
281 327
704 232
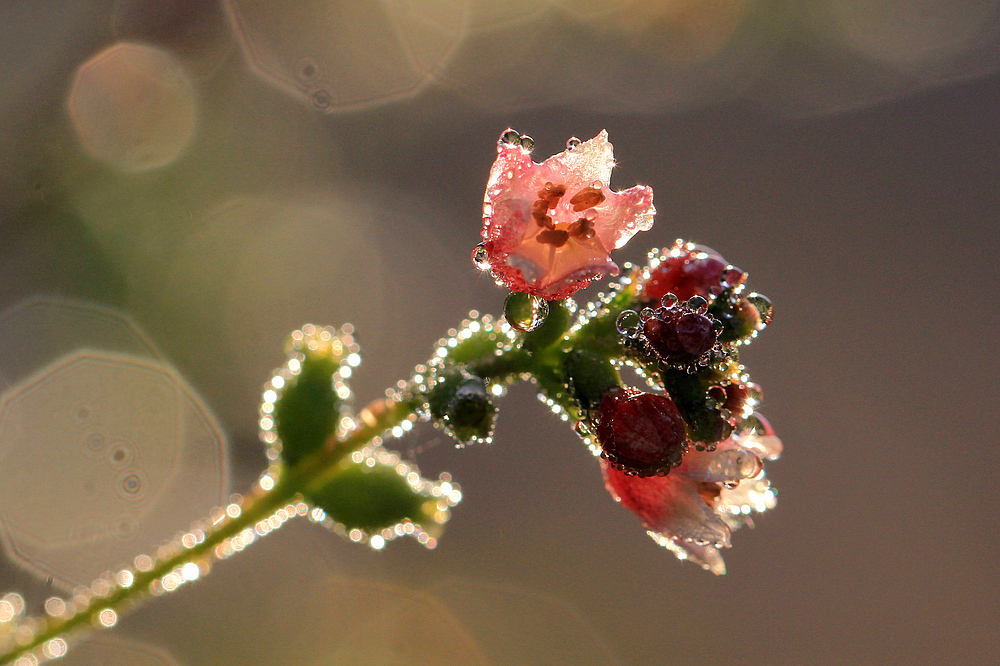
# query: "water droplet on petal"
627 320
763 305
572 143
527 142
647 313
481 258
525 312
669 300
510 136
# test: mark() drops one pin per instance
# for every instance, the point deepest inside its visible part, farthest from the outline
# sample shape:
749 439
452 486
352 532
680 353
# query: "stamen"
582 228
553 237
586 198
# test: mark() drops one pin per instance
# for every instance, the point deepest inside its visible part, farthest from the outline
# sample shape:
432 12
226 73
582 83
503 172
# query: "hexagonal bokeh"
350 53
103 456
40 329
133 107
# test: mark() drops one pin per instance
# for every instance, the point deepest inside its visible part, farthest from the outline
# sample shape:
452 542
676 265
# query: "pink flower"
548 228
693 510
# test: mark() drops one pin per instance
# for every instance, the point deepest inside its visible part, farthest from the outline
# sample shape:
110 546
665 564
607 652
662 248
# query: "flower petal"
751 495
669 505
623 215
727 464
551 271
589 161
707 557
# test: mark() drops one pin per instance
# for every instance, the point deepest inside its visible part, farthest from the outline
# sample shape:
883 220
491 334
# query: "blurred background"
183 183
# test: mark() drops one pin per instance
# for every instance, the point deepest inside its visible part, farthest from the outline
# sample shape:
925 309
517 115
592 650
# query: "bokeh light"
133 107
197 33
916 37
351 53
40 329
103 456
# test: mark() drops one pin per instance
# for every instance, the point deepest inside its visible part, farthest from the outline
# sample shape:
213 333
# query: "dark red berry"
640 433
680 335
694 272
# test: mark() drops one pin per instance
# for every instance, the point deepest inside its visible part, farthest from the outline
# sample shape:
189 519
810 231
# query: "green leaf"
307 411
370 498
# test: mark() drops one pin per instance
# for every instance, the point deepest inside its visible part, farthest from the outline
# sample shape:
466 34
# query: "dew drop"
716 396
732 277
525 312
481 258
572 143
698 304
627 321
581 428
669 300
646 314
510 136
527 142
763 305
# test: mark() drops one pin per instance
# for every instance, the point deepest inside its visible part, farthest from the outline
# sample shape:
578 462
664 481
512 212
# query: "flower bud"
460 404
682 334
640 433
688 270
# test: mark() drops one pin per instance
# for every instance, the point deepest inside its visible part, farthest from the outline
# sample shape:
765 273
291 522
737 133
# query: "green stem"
292 481
309 473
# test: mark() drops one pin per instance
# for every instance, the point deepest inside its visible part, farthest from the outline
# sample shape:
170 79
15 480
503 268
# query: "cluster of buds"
687 453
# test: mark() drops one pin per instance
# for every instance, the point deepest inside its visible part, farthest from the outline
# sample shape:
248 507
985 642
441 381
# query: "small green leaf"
370 499
306 413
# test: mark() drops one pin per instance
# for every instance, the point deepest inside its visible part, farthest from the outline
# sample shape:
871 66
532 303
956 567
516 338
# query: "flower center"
582 228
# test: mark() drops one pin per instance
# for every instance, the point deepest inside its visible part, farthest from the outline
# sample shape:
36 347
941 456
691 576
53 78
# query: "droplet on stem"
572 143
525 312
